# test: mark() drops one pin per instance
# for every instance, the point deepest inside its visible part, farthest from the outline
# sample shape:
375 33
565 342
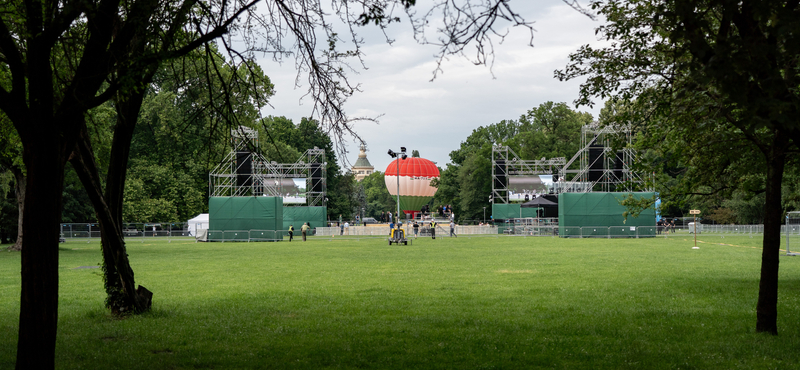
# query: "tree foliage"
713 87
377 196
549 130
64 58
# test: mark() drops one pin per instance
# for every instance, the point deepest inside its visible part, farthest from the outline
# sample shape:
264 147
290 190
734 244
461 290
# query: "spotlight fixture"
402 155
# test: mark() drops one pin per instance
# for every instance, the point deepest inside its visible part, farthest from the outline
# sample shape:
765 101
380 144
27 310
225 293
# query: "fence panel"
570 231
646 231
266 235
594 232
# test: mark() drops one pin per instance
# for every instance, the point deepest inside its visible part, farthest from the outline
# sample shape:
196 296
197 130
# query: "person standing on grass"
341 228
416 229
304 230
433 229
672 225
346 228
453 229
291 232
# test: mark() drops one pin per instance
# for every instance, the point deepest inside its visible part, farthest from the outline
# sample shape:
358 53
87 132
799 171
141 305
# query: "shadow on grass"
390 330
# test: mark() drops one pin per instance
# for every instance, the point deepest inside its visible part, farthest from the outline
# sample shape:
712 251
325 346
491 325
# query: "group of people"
665 225
443 210
344 227
385 217
432 226
303 229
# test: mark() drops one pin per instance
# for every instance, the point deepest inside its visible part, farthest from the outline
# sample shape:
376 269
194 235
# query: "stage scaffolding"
600 167
606 162
245 172
505 163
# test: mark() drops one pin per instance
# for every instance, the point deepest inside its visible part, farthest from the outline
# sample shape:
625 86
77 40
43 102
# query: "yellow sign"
694 212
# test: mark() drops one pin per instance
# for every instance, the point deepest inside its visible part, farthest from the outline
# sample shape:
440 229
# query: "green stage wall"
601 210
244 214
506 211
296 216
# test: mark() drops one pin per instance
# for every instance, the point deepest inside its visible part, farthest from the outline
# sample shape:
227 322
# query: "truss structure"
505 163
244 172
600 167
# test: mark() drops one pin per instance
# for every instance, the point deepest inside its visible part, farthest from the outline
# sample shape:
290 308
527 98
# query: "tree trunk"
767 306
122 297
19 191
127 116
38 314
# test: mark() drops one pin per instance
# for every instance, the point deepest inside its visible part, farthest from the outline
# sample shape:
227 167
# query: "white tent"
198 222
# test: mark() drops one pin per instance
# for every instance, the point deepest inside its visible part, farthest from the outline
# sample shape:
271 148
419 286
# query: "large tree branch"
12 102
95 63
218 31
60 22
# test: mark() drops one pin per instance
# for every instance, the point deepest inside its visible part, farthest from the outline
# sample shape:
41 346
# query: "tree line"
175 144
710 87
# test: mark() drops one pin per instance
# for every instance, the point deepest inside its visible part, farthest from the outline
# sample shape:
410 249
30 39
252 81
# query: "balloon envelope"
415 177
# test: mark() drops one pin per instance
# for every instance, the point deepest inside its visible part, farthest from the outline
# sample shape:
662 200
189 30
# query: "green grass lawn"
472 303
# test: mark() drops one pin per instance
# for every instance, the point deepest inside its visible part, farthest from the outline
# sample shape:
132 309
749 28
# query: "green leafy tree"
377 196
11 165
713 84
164 193
9 213
64 58
549 130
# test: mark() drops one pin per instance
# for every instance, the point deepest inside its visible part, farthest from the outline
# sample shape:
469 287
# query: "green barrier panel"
505 211
602 210
529 212
297 216
241 214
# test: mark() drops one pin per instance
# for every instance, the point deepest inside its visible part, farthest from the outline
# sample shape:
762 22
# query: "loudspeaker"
244 169
315 171
618 165
596 162
501 175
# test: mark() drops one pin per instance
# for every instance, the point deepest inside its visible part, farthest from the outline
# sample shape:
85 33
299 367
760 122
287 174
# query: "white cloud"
435 117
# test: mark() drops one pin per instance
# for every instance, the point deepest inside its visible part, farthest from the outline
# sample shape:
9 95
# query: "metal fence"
131 232
382 230
250 235
738 229
143 232
171 231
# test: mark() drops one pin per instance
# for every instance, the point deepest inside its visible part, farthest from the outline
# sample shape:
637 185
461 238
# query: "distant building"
362 168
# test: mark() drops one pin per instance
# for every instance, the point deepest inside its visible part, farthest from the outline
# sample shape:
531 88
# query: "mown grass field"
460 303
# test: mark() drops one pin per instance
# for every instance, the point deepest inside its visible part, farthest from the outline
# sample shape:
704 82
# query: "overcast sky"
434 117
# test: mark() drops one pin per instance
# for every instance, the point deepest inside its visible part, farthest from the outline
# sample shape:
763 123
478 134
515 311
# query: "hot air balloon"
415 177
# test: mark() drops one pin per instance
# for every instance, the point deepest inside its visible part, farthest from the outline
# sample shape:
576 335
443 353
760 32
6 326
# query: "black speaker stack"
244 169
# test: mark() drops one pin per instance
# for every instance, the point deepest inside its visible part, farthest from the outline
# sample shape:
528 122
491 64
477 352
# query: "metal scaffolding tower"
600 167
506 163
244 172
